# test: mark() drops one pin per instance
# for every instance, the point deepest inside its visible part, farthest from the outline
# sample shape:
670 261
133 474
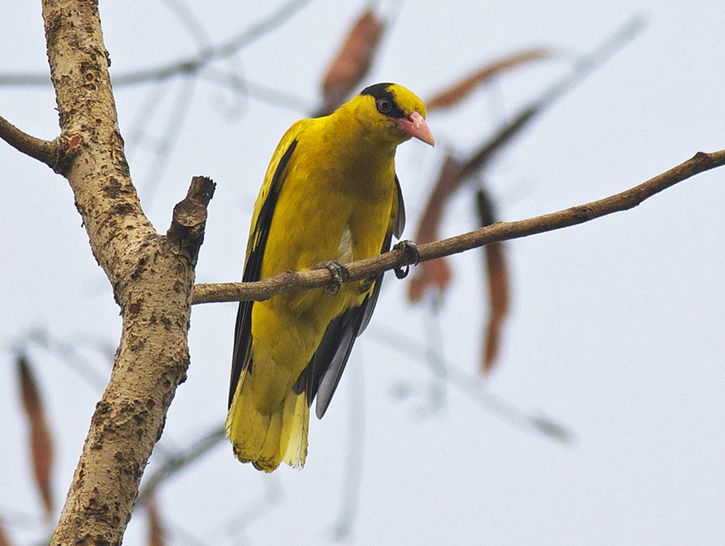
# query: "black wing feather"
241 359
331 378
400 219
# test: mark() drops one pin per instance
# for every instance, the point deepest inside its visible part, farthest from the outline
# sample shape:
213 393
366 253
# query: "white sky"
616 328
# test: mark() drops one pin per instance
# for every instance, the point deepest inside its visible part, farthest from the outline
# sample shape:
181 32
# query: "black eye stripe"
380 91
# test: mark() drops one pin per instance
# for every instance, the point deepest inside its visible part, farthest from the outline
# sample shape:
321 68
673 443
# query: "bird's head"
395 113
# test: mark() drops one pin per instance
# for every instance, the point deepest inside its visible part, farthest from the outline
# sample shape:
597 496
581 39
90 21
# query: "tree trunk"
152 277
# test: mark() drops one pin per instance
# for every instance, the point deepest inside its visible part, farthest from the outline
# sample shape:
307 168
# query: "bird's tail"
266 438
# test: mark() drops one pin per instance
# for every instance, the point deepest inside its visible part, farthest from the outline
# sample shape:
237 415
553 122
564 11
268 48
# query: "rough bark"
152 276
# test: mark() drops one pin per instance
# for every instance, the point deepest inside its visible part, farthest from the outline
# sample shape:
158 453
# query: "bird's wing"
259 231
321 376
397 225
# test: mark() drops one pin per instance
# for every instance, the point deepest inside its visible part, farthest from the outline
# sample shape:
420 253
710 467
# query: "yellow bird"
330 196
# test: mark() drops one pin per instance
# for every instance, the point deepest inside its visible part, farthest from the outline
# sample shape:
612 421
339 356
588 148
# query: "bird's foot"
410 255
339 272
367 284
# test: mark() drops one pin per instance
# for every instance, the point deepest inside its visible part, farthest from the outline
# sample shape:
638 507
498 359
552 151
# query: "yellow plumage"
330 193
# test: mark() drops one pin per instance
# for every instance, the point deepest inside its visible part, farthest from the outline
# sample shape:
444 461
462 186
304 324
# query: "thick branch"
152 278
500 231
96 165
150 363
45 151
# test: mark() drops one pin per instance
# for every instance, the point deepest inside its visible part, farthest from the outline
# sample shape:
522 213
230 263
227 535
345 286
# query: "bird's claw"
339 273
366 284
410 256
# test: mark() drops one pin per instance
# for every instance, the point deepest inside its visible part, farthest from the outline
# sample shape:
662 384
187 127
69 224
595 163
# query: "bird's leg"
339 272
410 255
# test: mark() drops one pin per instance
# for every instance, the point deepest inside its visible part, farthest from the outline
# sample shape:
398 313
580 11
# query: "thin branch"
185 66
500 231
172 131
138 132
261 28
180 461
349 502
45 151
257 91
188 19
433 359
584 67
257 509
68 353
455 172
469 386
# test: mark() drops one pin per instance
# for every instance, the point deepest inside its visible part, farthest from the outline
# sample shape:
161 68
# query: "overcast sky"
616 329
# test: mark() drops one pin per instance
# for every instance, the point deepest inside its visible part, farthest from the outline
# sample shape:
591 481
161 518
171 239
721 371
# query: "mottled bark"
152 276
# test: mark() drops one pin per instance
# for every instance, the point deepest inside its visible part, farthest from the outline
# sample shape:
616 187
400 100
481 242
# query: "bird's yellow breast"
335 204
333 193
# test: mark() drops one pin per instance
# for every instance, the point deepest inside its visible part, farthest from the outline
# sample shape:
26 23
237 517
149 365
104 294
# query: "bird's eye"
384 106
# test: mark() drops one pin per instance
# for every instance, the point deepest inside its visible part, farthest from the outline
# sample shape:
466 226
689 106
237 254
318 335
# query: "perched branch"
500 231
45 151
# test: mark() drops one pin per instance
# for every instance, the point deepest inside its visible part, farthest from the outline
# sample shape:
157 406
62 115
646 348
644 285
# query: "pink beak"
415 126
